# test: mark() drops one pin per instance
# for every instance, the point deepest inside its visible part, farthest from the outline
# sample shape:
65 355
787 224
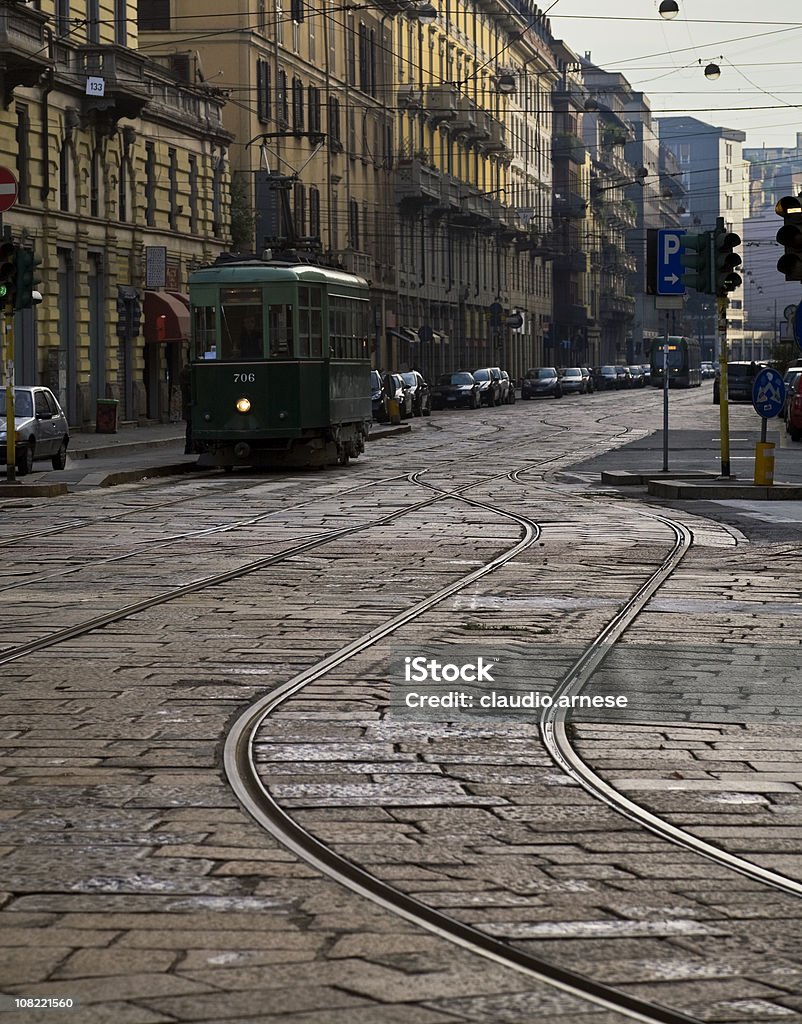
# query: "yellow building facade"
473 185
123 189
308 86
400 152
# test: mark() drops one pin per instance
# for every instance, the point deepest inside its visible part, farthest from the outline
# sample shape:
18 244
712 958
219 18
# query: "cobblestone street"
135 883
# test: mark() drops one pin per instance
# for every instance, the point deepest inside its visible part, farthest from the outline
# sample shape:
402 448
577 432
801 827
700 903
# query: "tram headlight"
243 405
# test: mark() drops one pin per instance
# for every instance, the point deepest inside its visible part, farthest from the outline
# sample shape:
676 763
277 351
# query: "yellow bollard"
764 463
393 411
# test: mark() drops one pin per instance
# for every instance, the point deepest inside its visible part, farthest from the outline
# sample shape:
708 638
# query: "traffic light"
790 236
8 272
136 316
726 260
122 315
697 256
27 296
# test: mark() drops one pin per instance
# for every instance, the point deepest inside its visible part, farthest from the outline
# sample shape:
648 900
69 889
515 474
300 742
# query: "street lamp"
505 83
426 14
712 72
669 9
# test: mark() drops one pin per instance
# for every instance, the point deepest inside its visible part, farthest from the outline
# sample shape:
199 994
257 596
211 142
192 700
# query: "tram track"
245 779
255 796
466 936
28 581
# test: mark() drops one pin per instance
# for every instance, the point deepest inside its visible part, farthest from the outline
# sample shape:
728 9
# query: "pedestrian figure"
185 380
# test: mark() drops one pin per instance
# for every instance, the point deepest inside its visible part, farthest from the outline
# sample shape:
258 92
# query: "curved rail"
556 740
257 800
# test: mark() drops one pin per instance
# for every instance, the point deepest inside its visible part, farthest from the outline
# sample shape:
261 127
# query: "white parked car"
42 431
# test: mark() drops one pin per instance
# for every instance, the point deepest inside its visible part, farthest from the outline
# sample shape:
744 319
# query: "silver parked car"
42 431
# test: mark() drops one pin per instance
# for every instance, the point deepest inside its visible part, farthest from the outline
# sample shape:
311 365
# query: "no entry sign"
8 189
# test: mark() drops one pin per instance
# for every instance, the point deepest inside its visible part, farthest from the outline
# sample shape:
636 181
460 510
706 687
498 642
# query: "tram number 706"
244 378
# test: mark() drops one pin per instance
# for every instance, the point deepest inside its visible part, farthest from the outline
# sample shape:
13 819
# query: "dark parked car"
455 389
638 376
740 377
489 386
605 378
624 376
571 381
42 431
378 397
540 381
421 392
586 373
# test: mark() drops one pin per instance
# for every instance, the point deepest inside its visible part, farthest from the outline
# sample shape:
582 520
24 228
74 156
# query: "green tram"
279 364
684 363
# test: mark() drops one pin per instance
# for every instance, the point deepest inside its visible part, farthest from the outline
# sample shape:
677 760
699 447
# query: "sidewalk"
90 445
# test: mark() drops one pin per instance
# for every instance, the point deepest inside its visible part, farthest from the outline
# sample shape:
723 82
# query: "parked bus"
684 363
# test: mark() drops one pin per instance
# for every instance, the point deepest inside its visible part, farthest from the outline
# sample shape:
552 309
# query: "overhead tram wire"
489 61
415 67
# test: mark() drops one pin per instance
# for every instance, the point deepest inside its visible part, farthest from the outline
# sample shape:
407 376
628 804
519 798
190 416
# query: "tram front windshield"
241 324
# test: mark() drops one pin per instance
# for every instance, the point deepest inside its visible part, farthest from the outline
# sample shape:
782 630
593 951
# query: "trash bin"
106 416
764 462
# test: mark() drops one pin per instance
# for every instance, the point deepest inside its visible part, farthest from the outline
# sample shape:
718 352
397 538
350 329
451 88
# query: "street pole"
11 436
723 396
665 397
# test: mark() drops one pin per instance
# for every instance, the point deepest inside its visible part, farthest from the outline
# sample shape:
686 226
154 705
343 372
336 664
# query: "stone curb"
723 490
124 448
378 434
633 478
31 490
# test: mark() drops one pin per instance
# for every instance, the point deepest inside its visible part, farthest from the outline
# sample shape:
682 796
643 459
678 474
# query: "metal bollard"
393 411
764 463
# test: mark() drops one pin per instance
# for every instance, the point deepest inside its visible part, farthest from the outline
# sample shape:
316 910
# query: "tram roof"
256 272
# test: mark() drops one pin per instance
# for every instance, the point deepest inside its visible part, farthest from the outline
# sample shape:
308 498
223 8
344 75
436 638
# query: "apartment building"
123 188
715 177
310 105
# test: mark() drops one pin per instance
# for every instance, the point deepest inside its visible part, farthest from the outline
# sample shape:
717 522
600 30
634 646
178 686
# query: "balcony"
450 192
465 121
570 204
24 49
442 102
126 90
568 147
496 141
471 213
481 129
409 97
393 6
620 213
359 263
416 183
617 307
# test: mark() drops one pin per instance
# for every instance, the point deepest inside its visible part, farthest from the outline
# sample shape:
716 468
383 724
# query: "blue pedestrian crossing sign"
669 267
768 393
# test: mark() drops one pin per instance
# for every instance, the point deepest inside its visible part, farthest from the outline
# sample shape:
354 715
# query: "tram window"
241 329
310 335
316 333
280 331
204 335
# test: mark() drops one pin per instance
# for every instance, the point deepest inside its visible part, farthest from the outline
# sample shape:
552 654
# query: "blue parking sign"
669 266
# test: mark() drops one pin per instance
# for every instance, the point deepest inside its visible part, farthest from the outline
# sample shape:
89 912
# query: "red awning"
166 317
